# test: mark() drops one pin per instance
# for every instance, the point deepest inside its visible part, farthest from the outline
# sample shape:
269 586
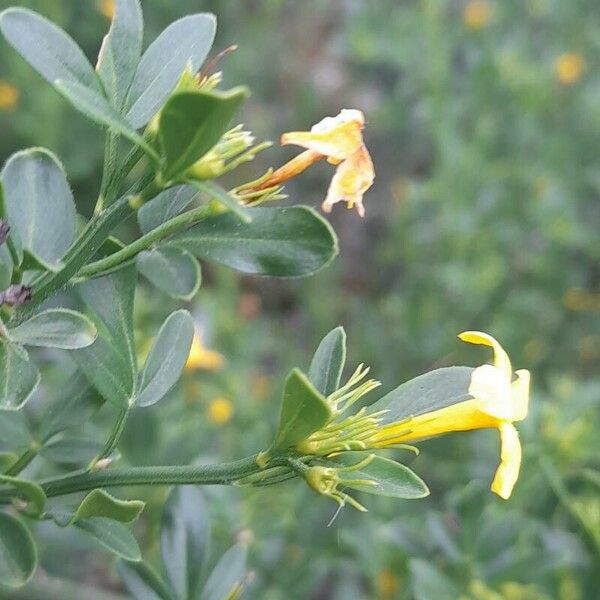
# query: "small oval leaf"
280 242
19 377
172 270
167 358
185 42
39 203
111 535
328 362
56 328
18 556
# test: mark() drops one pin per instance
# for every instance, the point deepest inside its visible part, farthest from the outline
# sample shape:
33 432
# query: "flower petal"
492 391
462 416
353 177
501 360
510 461
520 394
336 138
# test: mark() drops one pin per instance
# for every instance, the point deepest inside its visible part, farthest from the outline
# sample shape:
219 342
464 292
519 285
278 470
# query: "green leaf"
216 192
428 583
73 450
167 358
172 270
39 203
143 582
426 393
303 411
280 242
75 403
47 48
27 490
18 556
185 539
185 42
56 328
393 479
228 576
165 206
14 432
98 109
121 51
191 123
111 535
110 363
19 377
6 267
328 362
99 503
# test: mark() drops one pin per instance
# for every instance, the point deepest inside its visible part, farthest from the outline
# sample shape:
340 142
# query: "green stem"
115 436
88 243
219 474
21 462
174 225
110 154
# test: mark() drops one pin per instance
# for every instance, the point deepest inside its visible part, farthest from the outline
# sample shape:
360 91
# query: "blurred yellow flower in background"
569 68
9 95
387 583
496 402
220 410
477 14
201 357
107 8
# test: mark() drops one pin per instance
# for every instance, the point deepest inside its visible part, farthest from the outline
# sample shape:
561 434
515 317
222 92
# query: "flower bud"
15 295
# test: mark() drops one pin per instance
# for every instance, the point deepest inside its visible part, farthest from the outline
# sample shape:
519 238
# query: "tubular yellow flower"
496 401
9 95
569 68
339 140
203 358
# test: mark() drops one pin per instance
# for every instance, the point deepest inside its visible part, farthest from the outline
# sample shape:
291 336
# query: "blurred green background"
484 127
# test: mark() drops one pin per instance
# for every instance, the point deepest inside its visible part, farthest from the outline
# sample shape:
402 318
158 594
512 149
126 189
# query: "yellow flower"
339 140
107 8
388 584
497 401
477 14
220 410
569 68
9 95
201 357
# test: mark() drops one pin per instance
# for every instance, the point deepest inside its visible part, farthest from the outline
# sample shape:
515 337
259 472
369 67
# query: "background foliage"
484 125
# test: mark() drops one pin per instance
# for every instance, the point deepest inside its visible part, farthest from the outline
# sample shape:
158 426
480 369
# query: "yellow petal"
492 391
510 461
353 177
336 138
462 416
501 360
520 394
